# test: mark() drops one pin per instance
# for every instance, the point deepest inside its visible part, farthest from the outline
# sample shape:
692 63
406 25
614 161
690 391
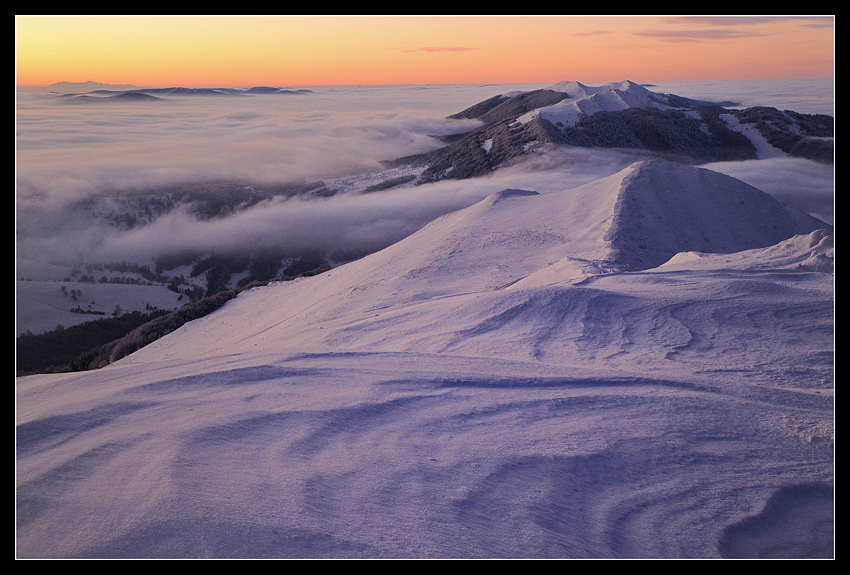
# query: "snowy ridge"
498 249
637 367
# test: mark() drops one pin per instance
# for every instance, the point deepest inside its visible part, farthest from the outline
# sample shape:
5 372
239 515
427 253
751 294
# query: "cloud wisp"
695 35
439 49
698 28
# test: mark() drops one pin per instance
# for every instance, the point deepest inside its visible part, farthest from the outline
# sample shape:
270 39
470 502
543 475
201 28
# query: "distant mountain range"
87 91
621 115
87 86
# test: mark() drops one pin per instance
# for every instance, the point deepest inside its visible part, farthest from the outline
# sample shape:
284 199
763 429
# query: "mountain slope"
513 380
423 287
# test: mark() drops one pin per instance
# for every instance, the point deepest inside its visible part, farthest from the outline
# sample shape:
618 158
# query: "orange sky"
311 51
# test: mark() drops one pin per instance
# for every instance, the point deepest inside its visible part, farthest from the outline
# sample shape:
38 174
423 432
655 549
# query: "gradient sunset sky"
209 51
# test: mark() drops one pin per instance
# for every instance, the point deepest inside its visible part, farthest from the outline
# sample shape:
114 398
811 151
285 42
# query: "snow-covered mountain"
624 115
512 242
94 92
637 367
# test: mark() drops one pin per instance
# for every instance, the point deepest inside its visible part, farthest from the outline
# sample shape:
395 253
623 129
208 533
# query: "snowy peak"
579 90
635 219
627 93
586 100
664 208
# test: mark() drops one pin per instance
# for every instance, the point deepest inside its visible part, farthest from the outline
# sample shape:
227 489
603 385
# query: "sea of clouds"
68 153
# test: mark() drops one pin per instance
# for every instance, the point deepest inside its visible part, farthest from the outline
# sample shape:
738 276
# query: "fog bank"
76 161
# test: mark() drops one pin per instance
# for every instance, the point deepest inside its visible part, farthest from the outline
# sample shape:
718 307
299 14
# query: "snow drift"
637 367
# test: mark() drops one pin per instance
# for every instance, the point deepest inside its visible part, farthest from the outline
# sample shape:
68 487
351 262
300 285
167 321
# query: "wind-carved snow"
637 367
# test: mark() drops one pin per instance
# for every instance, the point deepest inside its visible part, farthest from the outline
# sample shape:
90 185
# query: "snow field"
538 375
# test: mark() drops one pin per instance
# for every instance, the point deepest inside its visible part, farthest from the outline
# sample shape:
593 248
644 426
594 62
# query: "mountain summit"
663 208
586 100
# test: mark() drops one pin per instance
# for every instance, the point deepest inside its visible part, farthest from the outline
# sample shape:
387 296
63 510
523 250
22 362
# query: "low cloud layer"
68 153
800 184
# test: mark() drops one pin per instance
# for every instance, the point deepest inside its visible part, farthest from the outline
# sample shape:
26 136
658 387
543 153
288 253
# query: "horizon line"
213 86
